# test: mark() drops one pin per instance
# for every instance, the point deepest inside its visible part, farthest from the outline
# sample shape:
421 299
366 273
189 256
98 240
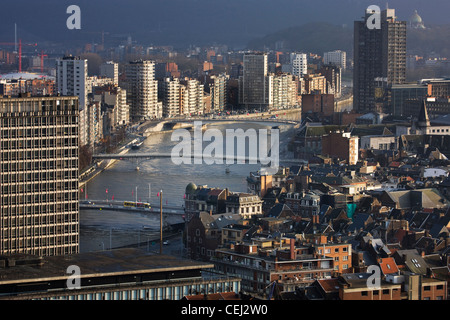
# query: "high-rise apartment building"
170 94
299 64
255 84
110 70
336 58
142 89
285 91
379 55
39 212
71 80
71 75
218 90
191 96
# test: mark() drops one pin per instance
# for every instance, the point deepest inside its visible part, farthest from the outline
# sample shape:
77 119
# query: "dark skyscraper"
380 57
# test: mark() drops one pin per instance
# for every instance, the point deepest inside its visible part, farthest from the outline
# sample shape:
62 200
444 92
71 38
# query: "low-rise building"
276 262
247 205
341 145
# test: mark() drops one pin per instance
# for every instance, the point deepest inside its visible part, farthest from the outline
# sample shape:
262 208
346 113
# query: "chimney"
292 251
315 219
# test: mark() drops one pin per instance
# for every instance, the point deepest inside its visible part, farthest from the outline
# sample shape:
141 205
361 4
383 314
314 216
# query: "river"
101 230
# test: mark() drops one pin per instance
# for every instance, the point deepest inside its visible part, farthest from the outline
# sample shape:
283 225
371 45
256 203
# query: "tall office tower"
299 64
218 92
379 55
71 75
142 89
255 84
110 69
39 211
170 94
336 58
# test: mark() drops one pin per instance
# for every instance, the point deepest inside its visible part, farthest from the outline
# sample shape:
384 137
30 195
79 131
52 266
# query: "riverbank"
98 167
151 128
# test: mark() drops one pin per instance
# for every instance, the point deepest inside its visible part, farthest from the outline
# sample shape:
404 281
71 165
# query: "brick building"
341 145
322 104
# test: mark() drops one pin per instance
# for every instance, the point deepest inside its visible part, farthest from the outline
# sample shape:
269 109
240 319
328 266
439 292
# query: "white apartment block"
142 90
71 75
299 64
336 58
192 97
171 92
92 82
94 120
218 92
285 91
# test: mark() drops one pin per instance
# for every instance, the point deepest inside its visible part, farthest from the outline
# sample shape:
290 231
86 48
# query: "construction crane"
20 49
98 32
42 55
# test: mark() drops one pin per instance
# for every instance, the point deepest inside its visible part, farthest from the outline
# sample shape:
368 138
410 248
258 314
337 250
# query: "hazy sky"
192 20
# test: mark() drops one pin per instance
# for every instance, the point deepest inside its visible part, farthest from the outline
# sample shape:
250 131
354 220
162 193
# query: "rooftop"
94 264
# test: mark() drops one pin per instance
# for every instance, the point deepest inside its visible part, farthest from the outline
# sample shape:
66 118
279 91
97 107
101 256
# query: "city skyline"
227 21
136 137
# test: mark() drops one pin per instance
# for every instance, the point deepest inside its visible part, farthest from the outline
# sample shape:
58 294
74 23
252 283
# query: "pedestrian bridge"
197 158
274 121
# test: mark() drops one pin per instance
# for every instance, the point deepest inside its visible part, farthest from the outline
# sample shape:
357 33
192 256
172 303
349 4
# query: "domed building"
190 188
416 21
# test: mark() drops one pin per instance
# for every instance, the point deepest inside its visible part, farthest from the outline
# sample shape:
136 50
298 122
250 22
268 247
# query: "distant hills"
319 37
311 37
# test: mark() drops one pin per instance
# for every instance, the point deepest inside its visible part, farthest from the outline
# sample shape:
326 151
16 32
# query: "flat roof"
96 264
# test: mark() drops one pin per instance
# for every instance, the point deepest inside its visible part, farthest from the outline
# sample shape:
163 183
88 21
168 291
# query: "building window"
364 293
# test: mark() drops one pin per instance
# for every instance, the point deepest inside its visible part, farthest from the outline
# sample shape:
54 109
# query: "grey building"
379 55
122 274
39 211
255 85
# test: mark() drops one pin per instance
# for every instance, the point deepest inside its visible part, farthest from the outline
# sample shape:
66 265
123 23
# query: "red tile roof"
388 266
329 285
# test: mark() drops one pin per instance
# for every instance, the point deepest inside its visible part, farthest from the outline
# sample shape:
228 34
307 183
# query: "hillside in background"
321 37
314 37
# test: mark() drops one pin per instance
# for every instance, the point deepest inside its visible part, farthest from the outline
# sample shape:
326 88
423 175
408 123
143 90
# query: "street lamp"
160 223
136 196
